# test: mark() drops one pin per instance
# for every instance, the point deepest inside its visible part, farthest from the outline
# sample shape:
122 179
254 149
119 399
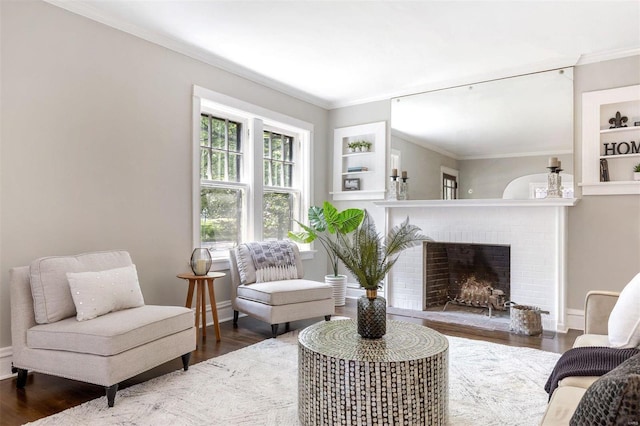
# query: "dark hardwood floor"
45 395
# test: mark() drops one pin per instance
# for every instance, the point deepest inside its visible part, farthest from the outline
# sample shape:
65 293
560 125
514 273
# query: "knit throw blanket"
273 260
587 361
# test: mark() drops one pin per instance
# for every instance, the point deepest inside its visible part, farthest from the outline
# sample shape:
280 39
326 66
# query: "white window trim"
205 100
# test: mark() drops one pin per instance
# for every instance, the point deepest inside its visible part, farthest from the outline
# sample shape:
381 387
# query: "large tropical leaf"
317 219
307 235
341 222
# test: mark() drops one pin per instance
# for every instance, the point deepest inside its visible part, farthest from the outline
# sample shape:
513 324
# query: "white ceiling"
337 53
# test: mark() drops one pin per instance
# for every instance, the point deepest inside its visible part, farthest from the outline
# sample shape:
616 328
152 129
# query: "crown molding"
86 10
591 58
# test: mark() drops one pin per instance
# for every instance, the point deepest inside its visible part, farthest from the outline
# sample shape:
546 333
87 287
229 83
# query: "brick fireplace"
534 230
466 274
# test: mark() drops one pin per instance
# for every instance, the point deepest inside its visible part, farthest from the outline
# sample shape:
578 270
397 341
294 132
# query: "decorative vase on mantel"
372 315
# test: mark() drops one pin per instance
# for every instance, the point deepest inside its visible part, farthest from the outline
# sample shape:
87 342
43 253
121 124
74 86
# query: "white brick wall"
535 234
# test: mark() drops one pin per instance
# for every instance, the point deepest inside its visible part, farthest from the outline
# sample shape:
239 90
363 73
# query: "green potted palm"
369 258
327 224
636 172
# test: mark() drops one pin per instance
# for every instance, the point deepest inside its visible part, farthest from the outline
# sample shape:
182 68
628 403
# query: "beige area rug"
489 384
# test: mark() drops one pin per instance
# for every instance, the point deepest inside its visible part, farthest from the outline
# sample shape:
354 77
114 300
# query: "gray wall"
96 147
604 231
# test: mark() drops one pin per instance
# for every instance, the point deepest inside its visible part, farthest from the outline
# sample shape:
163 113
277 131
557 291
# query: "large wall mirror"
484 136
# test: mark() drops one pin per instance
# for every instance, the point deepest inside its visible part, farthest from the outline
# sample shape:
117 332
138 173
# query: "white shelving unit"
598 141
370 182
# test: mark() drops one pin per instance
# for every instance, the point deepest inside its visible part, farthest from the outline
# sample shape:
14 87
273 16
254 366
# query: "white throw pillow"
624 322
98 293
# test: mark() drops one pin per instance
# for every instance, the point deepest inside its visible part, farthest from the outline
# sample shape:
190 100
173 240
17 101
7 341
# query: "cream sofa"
49 335
612 329
567 395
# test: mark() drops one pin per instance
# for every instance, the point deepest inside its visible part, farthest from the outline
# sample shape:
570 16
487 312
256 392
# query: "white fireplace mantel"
535 229
497 202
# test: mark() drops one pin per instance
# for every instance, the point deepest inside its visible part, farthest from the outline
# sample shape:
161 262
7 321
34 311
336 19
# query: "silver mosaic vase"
372 315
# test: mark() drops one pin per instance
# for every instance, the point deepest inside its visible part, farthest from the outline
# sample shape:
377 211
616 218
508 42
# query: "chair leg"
327 317
22 376
235 318
185 361
274 330
111 394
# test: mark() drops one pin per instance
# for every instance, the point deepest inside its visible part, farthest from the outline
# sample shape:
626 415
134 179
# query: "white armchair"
267 283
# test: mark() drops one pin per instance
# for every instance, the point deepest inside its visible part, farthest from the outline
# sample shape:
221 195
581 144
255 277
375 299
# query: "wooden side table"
200 280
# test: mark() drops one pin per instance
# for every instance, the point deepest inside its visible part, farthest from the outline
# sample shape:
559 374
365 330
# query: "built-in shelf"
620 129
597 108
357 154
366 184
364 172
620 156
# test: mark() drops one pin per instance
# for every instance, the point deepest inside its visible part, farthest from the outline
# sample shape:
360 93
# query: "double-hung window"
253 173
281 195
222 192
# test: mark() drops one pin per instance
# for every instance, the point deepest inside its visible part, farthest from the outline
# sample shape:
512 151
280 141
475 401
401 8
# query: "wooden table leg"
189 302
203 307
214 308
198 303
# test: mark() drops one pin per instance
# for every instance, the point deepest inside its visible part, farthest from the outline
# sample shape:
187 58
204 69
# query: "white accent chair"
48 338
277 302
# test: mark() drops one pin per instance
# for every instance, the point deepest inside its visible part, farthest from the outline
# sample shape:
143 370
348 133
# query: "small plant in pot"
327 224
369 258
636 172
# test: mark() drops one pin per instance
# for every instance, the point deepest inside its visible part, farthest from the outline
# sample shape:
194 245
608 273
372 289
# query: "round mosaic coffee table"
400 379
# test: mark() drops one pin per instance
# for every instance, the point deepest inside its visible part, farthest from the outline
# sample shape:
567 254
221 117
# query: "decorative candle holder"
200 261
393 188
554 185
403 191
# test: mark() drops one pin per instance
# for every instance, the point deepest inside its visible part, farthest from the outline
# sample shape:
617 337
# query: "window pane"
288 148
276 173
267 172
204 130
266 143
234 167
277 214
234 136
205 170
288 175
220 218
218 133
217 165
276 146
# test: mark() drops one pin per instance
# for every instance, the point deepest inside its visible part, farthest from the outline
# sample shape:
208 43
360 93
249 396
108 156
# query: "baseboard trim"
225 312
6 356
575 319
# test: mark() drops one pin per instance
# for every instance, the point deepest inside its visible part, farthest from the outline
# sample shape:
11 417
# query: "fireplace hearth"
473 275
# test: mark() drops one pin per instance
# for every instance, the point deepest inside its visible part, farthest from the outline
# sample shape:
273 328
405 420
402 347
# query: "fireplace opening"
466 275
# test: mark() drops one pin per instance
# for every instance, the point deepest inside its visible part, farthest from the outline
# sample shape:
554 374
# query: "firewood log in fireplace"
481 294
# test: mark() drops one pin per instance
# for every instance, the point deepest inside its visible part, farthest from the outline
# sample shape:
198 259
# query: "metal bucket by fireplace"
525 319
